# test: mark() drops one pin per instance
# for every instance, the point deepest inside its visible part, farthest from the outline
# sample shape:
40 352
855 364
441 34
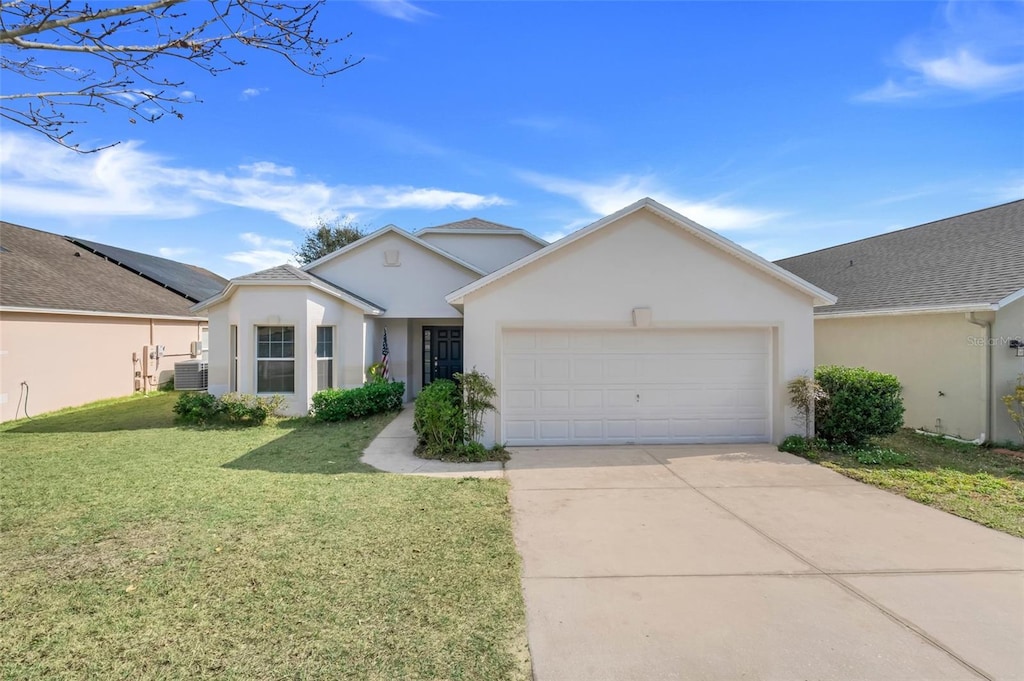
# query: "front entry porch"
419 350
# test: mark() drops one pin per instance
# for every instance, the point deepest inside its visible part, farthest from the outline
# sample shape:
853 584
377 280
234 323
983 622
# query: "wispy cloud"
250 92
265 252
398 9
43 179
605 197
174 252
974 50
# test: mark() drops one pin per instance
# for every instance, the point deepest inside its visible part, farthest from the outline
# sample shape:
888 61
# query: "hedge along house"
75 317
643 327
941 306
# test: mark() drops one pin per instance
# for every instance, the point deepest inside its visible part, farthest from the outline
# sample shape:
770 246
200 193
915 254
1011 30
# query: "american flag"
384 356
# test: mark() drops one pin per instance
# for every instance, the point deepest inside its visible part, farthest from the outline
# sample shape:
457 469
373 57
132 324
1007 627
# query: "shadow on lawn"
311 448
140 413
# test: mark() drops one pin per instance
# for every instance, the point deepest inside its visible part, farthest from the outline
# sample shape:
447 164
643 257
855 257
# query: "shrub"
1015 405
241 409
357 403
795 444
234 408
438 419
859 404
197 408
804 395
477 393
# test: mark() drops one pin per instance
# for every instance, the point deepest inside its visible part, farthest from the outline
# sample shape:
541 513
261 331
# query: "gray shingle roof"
41 270
195 283
474 224
971 259
292 273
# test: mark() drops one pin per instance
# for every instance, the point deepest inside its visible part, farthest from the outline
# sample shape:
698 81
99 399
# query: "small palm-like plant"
1015 405
804 394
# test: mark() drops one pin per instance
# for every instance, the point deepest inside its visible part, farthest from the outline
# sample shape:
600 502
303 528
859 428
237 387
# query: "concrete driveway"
726 562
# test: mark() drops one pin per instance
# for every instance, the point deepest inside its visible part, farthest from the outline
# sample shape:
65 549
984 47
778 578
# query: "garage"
643 386
644 327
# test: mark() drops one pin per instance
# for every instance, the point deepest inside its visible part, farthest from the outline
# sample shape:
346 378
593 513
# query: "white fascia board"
894 311
232 285
511 231
820 296
392 229
100 313
1012 298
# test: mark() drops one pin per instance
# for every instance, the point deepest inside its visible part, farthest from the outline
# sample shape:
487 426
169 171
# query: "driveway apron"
740 562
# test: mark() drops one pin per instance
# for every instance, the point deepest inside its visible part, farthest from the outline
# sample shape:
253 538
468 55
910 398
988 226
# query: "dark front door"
442 346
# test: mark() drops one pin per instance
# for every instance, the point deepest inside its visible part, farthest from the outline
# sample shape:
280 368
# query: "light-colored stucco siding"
489 252
69 360
941 366
414 288
301 307
643 261
1006 366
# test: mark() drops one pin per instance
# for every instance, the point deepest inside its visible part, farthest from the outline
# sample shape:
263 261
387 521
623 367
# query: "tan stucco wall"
300 306
1006 366
930 353
643 261
415 288
489 252
68 360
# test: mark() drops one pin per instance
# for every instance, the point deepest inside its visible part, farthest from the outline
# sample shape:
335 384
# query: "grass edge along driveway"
963 479
133 548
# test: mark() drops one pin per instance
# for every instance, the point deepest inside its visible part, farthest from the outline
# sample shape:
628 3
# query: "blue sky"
785 126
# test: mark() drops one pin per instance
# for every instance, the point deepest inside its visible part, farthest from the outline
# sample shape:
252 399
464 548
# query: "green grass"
969 481
134 549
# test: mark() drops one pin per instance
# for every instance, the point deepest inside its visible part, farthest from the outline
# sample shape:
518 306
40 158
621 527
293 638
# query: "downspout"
989 424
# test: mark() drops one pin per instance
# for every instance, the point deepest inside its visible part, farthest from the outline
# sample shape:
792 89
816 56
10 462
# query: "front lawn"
969 481
132 548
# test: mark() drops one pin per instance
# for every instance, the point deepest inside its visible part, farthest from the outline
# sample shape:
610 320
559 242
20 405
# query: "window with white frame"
324 357
275 359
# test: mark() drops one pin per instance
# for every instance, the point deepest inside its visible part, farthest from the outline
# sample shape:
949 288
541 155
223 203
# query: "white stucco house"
643 327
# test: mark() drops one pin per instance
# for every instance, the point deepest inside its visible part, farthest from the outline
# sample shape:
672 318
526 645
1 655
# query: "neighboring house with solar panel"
79 319
941 306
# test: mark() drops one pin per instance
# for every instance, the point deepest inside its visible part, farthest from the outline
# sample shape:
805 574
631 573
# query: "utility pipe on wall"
989 420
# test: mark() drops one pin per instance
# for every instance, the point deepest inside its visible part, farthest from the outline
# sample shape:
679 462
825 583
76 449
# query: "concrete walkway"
392 451
724 562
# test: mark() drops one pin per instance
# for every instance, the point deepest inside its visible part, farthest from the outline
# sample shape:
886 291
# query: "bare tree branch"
134 42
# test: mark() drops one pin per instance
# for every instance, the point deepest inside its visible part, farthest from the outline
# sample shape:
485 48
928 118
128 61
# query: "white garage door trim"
566 386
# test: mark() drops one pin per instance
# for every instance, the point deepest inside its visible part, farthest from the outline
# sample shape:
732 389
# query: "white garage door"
635 386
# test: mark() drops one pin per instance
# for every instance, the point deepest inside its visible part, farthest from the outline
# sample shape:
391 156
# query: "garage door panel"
588 398
584 386
554 430
554 399
588 430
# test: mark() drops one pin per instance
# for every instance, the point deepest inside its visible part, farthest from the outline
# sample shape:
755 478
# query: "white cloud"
266 251
174 252
250 92
41 178
604 198
976 50
398 9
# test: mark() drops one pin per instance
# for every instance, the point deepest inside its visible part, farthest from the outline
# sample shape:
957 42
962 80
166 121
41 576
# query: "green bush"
241 409
795 444
357 403
197 408
201 409
859 404
438 419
